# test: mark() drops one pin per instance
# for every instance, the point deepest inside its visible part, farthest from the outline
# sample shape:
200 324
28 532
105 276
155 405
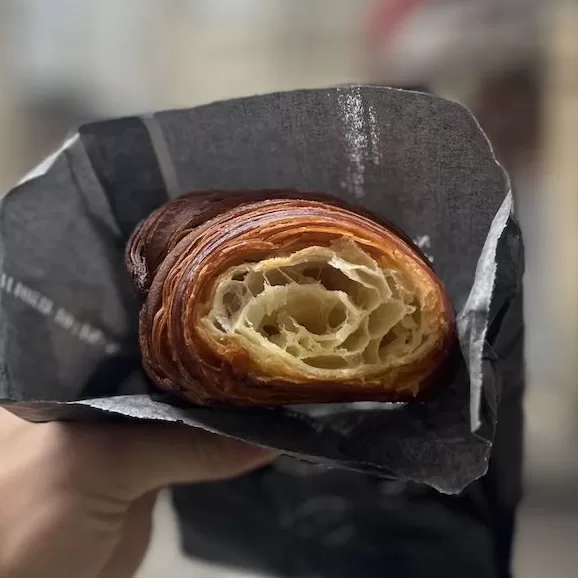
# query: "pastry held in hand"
274 298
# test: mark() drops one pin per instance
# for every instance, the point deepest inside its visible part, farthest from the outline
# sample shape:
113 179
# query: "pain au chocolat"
269 298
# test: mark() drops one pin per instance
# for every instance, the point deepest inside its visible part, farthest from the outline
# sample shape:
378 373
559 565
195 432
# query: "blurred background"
513 62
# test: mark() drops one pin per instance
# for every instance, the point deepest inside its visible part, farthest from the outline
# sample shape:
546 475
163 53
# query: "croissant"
269 298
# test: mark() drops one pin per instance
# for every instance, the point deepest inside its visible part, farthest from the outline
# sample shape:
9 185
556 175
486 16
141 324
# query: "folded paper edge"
474 317
110 406
472 306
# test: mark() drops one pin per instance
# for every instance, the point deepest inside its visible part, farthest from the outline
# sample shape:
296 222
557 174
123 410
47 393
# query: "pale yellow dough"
323 312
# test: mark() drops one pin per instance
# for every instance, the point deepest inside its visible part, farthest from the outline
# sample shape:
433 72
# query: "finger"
152 457
136 533
9 422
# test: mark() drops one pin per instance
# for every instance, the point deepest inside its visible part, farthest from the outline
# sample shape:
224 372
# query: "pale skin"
76 500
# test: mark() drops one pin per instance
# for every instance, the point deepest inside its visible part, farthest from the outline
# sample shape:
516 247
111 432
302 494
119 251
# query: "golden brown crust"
188 252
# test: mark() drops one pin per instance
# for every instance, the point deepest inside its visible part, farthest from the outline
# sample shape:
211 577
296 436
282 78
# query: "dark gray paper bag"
68 315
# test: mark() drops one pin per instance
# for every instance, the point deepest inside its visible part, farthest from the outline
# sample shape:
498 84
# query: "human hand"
76 499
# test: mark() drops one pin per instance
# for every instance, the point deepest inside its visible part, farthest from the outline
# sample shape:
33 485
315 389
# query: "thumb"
154 456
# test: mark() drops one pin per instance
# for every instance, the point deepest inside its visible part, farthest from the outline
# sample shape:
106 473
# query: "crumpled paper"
68 315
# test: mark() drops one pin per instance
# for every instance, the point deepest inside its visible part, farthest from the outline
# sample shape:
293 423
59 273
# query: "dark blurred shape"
445 41
508 107
49 120
391 530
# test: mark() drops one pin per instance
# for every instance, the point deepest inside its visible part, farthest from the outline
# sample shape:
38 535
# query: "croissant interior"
272 299
319 310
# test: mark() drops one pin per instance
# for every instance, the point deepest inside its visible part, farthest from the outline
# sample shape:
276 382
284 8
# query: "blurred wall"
65 61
